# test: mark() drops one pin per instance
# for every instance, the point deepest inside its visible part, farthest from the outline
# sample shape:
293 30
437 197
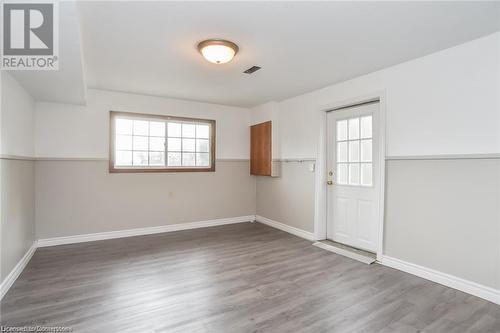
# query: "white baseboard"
141 231
476 289
16 271
292 230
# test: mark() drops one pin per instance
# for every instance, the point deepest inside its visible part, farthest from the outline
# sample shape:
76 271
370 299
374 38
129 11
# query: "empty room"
250 166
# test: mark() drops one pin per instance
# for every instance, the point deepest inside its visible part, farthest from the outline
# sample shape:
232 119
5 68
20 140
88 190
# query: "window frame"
150 117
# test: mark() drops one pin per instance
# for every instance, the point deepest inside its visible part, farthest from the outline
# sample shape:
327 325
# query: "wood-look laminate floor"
244 277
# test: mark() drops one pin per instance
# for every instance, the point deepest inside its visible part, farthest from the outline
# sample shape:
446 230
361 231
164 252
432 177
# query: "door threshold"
347 251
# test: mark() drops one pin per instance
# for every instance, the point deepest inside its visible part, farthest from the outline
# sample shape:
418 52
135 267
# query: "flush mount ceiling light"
218 51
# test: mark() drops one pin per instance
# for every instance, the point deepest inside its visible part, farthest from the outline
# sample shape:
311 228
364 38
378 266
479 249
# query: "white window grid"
359 163
166 137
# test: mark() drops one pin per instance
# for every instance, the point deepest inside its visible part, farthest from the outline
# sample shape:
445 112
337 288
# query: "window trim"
138 169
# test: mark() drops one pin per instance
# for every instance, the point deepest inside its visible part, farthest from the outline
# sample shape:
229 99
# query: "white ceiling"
150 47
67 85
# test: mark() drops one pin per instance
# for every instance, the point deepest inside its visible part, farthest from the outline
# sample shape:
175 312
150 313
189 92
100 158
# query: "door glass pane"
366 174
341 130
188 159
140 143
188 130
174 144
202 159
124 142
202 131
141 127
174 130
366 127
202 146
366 150
342 174
188 145
353 151
157 144
354 174
157 158
123 158
156 128
124 126
342 152
353 128
140 158
174 159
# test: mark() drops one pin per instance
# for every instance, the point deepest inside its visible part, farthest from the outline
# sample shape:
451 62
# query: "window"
354 151
150 143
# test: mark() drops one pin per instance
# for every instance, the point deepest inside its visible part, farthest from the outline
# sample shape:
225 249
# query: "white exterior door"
353 176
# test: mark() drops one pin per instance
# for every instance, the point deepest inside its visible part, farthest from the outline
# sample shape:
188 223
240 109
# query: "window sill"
113 169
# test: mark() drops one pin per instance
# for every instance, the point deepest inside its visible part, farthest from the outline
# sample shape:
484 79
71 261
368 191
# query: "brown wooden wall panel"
260 149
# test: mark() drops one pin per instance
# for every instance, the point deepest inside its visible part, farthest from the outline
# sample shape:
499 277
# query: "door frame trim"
320 192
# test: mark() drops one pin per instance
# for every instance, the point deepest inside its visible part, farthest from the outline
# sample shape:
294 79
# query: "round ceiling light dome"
218 51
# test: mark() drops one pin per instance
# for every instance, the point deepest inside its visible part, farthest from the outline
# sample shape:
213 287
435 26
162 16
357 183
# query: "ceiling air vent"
252 70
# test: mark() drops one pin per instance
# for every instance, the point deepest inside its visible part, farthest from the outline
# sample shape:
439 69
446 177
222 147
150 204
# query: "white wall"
266 112
82 197
444 103
17 204
17 212
287 198
437 218
85 131
441 104
79 196
17 119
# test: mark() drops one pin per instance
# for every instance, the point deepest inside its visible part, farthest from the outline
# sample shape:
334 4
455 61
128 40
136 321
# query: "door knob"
330 182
